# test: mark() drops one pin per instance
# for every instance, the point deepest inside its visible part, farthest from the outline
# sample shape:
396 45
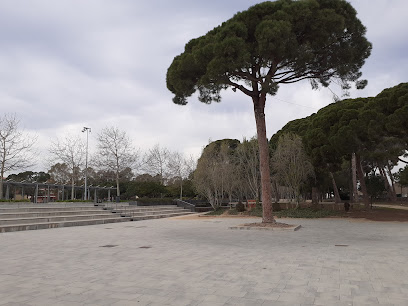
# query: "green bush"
240 207
307 213
156 200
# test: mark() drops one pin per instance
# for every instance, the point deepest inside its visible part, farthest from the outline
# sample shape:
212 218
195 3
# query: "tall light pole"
87 130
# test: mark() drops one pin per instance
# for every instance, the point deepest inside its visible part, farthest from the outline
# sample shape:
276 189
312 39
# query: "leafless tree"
215 174
181 167
70 151
16 147
291 164
156 162
115 152
248 160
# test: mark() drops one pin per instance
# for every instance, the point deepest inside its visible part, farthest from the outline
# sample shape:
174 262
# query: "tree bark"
354 178
337 198
117 184
366 199
391 192
392 185
259 107
72 188
181 189
315 197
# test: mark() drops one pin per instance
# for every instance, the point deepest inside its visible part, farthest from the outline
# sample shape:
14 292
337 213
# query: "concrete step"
149 212
53 213
136 209
32 220
147 217
45 209
35 226
141 208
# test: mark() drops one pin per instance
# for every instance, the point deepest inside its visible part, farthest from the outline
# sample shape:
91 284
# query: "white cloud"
68 64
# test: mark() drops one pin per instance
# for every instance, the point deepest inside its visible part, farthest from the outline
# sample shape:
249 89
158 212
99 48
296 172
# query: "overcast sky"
67 64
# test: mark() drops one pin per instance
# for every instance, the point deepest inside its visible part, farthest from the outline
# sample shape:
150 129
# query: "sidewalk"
202 262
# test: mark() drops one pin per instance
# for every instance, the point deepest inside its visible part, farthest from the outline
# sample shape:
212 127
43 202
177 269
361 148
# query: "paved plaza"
185 261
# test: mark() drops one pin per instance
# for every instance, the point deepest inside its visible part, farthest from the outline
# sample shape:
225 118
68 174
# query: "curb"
242 227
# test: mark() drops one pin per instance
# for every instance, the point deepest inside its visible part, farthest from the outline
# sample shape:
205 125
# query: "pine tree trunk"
354 178
72 189
315 197
392 185
391 193
259 107
337 198
366 199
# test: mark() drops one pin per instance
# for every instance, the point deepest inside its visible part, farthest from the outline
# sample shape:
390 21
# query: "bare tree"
115 152
16 147
180 166
70 151
156 162
248 157
291 163
215 175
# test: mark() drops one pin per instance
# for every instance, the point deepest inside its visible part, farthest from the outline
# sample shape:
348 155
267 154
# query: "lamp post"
87 130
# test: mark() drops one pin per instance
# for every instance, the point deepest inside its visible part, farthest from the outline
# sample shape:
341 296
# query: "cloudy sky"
67 64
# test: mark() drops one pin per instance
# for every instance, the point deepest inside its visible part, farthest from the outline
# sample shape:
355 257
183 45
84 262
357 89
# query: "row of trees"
229 169
355 138
115 159
348 145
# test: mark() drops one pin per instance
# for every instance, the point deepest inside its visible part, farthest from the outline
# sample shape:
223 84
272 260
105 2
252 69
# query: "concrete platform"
186 261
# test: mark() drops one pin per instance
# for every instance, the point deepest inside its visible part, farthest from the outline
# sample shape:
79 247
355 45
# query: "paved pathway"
202 262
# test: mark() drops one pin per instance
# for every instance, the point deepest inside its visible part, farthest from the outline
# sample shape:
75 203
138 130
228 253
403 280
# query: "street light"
87 130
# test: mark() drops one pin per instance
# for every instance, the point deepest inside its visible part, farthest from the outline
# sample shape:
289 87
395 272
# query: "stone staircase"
27 216
136 213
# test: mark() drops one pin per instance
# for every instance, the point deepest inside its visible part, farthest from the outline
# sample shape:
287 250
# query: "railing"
185 205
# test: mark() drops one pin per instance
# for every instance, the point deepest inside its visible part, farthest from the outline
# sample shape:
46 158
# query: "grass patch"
217 212
308 213
294 213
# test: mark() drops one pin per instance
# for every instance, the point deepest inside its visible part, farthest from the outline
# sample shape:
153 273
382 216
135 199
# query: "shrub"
240 207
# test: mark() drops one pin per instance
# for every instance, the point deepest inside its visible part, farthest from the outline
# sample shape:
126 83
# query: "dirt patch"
380 214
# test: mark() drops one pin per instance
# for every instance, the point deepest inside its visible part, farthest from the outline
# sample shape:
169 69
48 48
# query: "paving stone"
197 262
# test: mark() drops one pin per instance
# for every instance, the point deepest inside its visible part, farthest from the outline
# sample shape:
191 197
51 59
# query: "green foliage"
293 40
30 176
15 201
370 127
403 176
143 189
163 201
375 186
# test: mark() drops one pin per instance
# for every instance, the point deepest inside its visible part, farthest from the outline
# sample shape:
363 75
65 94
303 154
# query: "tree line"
116 161
347 147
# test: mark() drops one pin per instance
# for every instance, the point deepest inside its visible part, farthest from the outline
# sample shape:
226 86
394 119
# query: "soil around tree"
269 225
380 214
